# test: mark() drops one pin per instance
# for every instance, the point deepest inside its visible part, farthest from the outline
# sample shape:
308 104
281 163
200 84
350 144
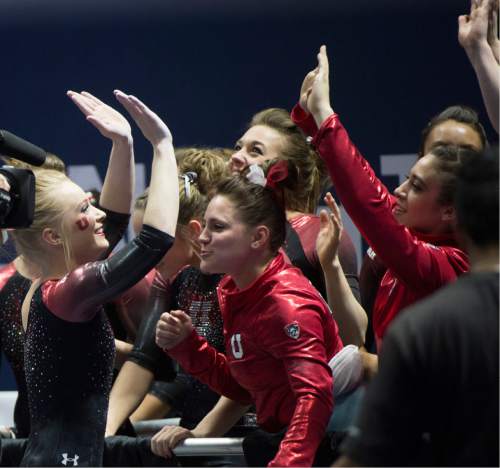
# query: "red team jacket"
417 264
279 335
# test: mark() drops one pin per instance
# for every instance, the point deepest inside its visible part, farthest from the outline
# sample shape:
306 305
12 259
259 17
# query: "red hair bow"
277 173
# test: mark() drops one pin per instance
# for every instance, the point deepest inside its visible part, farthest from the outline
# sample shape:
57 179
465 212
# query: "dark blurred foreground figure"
435 399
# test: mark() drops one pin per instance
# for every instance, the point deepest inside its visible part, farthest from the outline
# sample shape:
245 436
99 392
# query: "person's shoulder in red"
6 272
293 309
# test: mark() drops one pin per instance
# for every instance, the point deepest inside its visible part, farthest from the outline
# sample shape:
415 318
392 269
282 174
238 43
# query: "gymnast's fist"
172 328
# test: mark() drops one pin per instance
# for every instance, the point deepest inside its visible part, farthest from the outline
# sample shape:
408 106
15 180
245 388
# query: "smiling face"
226 242
418 205
452 132
260 143
82 224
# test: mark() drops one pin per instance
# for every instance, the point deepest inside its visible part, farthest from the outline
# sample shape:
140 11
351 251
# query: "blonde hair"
210 167
48 213
307 174
52 162
209 164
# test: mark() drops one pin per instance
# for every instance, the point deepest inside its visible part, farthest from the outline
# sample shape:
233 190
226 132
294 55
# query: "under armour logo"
65 460
236 346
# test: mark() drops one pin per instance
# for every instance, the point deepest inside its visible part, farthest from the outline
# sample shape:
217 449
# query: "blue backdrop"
207 66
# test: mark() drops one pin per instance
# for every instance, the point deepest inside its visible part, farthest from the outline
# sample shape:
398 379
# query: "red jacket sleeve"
304 120
420 265
305 360
204 362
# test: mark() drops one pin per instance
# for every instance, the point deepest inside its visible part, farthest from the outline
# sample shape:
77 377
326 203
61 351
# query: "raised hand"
305 89
473 28
152 127
327 242
318 96
110 123
167 438
493 40
172 328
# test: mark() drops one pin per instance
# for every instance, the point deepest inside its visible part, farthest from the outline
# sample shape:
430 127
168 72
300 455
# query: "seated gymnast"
435 399
178 283
279 332
413 233
456 125
272 137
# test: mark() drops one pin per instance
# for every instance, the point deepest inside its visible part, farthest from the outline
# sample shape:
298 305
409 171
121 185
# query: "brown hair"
307 174
449 160
256 205
462 114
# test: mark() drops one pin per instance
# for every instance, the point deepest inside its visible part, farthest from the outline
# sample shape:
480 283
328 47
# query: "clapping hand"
328 240
315 90
473 28
153 128
107 120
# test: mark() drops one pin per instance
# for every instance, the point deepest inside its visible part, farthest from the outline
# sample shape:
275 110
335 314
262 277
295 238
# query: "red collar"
437 239
242 297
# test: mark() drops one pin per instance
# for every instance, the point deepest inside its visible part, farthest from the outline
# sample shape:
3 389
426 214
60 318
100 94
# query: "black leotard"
69 353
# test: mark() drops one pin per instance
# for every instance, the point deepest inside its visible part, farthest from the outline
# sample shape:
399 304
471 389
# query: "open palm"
107 120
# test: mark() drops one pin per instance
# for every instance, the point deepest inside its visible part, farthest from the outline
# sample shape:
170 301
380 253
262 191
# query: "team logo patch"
293 330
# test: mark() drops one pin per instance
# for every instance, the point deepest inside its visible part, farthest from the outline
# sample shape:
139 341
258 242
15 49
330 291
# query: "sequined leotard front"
69 352
196 294
13 289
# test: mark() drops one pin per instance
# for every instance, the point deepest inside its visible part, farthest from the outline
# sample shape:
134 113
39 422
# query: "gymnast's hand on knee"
172 328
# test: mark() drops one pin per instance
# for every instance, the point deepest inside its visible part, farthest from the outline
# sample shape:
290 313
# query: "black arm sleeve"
78 296
115 226
136 259
145 352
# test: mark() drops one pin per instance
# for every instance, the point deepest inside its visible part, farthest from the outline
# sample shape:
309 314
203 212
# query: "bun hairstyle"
200 169
210 165
256 205
307 175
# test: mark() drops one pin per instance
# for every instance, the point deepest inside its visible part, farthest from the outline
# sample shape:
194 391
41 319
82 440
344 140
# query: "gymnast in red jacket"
413 231
279 332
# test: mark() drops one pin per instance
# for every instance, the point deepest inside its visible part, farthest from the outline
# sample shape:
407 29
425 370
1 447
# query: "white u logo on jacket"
236 347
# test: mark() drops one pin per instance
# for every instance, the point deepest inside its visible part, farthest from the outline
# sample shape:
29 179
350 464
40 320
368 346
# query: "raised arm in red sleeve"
419 264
